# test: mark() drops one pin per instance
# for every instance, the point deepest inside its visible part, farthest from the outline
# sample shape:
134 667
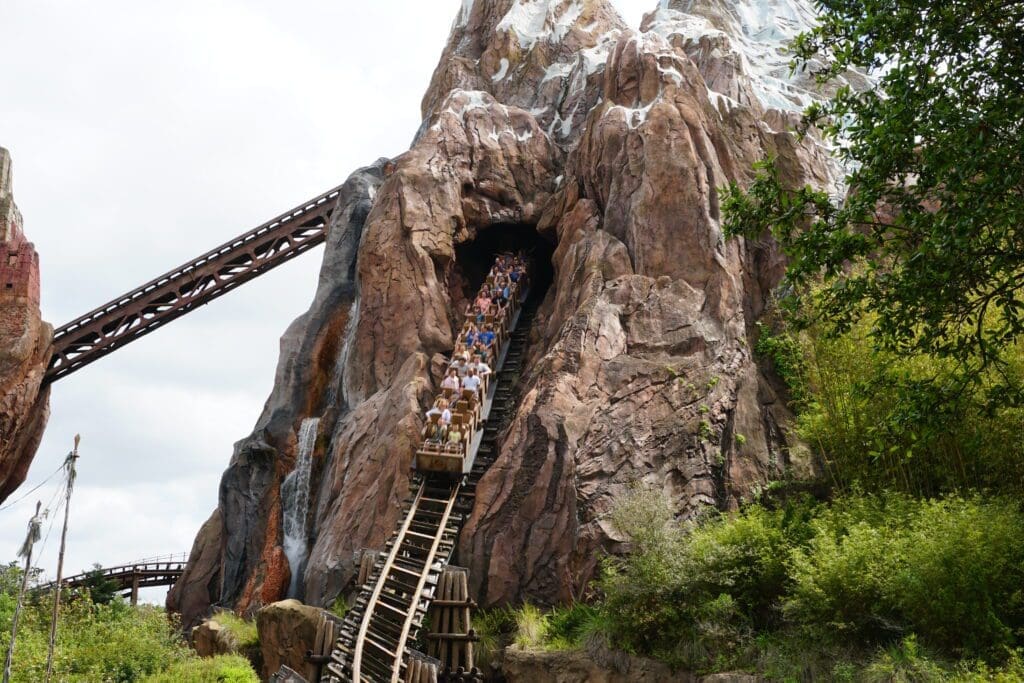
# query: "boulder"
287 631
210 639
577 666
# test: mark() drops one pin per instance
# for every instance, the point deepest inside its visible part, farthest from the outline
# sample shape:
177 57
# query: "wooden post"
366 561
453 637
34 526
69 463
135 587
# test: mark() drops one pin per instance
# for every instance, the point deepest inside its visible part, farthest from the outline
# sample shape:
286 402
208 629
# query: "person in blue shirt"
471 335
486 338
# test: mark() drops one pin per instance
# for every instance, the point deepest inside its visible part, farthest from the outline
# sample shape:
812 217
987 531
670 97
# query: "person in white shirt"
452 380
472 382
482 368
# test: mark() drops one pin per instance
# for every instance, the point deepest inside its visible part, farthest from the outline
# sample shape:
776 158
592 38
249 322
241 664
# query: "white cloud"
144 134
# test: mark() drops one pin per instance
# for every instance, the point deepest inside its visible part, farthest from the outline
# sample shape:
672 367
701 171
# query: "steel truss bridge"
190 285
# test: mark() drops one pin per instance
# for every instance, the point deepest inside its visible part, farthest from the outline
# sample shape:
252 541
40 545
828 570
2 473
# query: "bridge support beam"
135 589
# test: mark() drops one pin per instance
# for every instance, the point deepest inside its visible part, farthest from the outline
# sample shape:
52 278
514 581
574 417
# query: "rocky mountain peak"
548 127
542 56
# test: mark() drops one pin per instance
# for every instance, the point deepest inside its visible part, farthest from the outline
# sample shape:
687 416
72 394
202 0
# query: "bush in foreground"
801 590
219 669
104 642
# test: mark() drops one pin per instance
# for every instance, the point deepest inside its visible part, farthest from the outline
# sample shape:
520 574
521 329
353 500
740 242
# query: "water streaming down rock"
295 503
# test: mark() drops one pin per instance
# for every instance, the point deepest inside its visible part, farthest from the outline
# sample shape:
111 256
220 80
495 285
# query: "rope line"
33 489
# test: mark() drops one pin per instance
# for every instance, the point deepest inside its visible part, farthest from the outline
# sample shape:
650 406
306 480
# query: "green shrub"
829 584
907 422
105 642
948 571
569 627
496 628
692 593
904 662
531 627
339 607
219 669
113 642
786 355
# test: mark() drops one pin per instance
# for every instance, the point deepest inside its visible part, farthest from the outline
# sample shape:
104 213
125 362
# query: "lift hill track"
190 285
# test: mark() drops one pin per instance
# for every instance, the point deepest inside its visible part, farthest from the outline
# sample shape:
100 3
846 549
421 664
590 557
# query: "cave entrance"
473 259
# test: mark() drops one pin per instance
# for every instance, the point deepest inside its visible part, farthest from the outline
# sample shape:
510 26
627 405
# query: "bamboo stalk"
70 464
34 526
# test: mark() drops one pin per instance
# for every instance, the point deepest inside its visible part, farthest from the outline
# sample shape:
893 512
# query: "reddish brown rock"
24 343
200 586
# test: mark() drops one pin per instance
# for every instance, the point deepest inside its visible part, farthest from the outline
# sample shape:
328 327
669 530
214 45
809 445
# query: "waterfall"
295 503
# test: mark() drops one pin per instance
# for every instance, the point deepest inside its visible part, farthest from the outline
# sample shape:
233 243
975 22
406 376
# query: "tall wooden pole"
34 526
69 463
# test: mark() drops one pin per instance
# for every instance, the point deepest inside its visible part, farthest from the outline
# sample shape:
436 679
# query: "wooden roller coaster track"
392 604
190 285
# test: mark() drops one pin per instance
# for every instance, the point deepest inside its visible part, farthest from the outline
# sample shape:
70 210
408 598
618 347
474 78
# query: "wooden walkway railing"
129 578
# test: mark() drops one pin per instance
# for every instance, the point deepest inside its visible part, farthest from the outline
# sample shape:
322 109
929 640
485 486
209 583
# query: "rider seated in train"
454 435
434 433
451 381
472 382
483 302
501 309
481 367
486 338
461 364
439 405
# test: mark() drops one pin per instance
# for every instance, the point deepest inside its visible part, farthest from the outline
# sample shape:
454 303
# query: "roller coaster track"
183 289
129 578
392 604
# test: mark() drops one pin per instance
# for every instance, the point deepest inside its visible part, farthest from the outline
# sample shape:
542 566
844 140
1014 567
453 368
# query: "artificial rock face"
609 146
24 343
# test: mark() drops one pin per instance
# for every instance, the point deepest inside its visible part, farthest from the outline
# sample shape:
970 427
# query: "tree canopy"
929 240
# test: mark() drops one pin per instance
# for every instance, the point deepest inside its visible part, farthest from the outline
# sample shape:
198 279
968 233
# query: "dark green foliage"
784 352
939 144
102 589
219 669
570 626
904 421
687 594
842 580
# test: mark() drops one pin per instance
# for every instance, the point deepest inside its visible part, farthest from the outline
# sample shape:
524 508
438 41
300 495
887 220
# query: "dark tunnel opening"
474 258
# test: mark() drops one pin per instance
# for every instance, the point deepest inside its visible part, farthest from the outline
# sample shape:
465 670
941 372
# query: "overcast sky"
144 134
